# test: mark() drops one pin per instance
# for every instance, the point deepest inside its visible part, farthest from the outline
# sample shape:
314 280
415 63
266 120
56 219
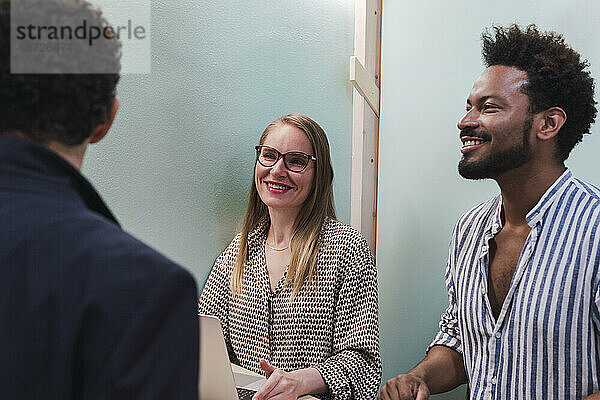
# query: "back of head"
59 93
556 76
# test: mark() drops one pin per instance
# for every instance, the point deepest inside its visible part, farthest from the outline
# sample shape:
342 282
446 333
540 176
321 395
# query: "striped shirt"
545 343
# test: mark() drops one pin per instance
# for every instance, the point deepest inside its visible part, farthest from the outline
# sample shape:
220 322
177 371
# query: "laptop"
217 380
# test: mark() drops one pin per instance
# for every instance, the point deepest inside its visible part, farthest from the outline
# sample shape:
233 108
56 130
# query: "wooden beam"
365 84
365 71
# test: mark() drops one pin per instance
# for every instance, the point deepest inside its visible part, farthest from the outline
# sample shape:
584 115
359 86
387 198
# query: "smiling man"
523 320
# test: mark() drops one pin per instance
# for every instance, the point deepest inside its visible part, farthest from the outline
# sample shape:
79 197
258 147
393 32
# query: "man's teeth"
275 186
472 142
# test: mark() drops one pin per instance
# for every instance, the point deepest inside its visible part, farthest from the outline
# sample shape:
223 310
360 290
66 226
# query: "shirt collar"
27 158
548 198
494 224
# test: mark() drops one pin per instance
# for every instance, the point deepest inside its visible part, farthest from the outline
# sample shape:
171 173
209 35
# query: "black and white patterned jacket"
331 325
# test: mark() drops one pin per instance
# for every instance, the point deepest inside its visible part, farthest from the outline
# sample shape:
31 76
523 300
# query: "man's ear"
551 121
101 130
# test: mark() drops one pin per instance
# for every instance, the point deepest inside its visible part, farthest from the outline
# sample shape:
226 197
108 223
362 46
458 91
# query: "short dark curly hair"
56 106
556 76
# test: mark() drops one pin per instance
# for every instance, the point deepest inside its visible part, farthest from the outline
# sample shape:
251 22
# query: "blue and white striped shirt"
546 341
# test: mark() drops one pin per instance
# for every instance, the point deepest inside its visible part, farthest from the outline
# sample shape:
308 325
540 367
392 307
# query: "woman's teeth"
276 186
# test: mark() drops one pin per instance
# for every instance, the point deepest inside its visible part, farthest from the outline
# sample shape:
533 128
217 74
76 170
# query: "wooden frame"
365 67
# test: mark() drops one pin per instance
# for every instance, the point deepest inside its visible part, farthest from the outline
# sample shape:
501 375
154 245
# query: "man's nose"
469 120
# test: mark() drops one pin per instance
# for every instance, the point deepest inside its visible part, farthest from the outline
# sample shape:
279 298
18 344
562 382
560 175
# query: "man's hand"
404 387
280 385
440 371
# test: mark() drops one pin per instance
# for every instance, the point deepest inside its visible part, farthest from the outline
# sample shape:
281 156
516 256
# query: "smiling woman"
296 290
284 185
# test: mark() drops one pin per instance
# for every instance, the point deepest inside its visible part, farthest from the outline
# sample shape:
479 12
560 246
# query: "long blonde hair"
319 204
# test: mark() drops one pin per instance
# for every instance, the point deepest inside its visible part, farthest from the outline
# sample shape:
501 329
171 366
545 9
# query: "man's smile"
471 143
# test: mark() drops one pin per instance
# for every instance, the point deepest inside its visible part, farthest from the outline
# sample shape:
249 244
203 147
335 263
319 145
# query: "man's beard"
498 163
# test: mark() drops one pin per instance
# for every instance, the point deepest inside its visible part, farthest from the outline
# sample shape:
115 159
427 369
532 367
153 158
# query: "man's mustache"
469 132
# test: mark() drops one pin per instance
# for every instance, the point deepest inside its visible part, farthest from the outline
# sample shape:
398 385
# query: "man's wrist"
420 375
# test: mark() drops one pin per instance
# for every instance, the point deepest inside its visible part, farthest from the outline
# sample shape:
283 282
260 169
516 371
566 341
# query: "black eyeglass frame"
282 155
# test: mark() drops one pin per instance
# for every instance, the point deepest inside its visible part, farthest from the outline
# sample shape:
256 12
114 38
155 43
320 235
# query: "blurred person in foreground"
296 290
87 311
523 274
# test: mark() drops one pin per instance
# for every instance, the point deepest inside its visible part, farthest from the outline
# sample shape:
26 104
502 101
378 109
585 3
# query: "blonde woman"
296 290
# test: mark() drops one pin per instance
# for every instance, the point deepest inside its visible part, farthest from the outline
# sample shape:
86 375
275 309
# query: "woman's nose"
279 167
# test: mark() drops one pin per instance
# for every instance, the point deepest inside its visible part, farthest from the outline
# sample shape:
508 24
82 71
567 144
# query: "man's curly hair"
57 106
556 76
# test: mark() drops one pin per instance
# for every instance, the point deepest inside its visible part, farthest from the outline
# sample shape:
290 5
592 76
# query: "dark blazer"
86 310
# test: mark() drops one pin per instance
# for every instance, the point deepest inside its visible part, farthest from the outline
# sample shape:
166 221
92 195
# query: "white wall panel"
177 165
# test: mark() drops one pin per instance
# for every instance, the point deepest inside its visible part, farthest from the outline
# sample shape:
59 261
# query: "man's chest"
504 252
529 283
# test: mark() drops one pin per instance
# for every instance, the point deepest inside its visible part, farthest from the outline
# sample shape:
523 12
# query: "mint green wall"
177 164
430 58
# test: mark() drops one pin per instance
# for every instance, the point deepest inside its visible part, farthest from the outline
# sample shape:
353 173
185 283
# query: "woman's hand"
281 385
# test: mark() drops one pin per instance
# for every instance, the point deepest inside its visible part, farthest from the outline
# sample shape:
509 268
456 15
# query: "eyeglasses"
295 161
